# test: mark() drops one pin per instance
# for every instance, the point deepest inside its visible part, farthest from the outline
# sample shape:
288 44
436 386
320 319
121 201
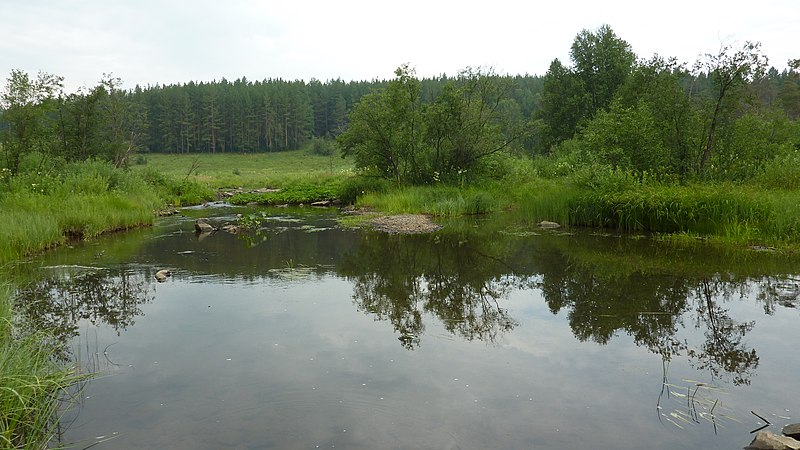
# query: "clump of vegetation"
44 208
393 134
294 194
33 387
354 187
177 192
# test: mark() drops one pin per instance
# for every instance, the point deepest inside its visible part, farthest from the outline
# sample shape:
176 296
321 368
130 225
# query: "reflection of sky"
294 365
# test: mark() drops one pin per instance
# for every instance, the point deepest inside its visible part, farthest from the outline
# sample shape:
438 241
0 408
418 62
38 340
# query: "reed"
33 387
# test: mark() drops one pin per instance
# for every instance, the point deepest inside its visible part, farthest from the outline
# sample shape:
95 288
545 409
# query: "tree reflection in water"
400 278
59 302
463 282
464 279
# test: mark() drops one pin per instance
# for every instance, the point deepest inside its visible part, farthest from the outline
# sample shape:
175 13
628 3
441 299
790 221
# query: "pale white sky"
172 41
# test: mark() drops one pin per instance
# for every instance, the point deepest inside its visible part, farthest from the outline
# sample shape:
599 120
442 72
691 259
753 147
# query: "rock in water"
792 430
162 275
766 440
232 229
202 226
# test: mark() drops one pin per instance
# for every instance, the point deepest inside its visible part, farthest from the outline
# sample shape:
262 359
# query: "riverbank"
740 215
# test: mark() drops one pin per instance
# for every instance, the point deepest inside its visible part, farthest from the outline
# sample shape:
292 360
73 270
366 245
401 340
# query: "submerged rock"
766 440
232 229
547 225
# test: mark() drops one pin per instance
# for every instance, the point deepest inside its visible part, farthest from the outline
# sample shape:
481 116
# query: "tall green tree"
393 132
563 103
603 62
27 105
386 129
730 71
471 119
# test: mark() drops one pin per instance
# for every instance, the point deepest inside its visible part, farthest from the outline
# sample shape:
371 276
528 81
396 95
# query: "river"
481 335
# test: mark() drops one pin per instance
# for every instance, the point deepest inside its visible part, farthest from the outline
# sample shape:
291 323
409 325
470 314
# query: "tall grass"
33 386
438 200
41 209
600 197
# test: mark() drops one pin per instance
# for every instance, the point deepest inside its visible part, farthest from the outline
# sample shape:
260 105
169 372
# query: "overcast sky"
169 41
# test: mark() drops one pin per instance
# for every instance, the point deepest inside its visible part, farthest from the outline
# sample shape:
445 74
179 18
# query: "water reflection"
652 309
461 279
58 302
401 278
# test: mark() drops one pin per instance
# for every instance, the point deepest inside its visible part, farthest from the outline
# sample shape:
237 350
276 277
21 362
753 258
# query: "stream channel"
481 335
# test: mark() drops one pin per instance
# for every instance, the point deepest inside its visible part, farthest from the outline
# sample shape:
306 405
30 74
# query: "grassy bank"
725 213
44 209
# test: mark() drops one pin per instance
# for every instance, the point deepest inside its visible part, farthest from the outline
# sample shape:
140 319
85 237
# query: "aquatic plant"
33 386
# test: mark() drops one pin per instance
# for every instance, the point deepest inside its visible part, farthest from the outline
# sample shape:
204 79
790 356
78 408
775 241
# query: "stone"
766 440
321 204
232 229
202 226
163 274
547 225
792 430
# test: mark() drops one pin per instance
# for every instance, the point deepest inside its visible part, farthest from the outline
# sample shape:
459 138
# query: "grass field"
228 170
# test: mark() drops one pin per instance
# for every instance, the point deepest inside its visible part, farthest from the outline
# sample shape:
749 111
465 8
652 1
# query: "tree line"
725 115
242 116
724 118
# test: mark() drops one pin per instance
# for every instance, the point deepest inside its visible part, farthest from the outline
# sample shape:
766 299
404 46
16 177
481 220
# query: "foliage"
26 113
354 187
322 147
729 71
392 133
176 191
295 194
601 63
782 172
33 386
101 123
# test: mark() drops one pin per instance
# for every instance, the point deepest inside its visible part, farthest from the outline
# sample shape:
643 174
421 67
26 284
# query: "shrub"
352 188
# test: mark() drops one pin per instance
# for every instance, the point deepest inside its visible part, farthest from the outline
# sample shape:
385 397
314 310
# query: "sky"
149 42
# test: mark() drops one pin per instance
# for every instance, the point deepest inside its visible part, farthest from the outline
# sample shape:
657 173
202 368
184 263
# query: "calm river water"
482 335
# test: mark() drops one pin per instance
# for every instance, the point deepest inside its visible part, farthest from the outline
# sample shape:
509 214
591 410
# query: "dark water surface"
479 336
